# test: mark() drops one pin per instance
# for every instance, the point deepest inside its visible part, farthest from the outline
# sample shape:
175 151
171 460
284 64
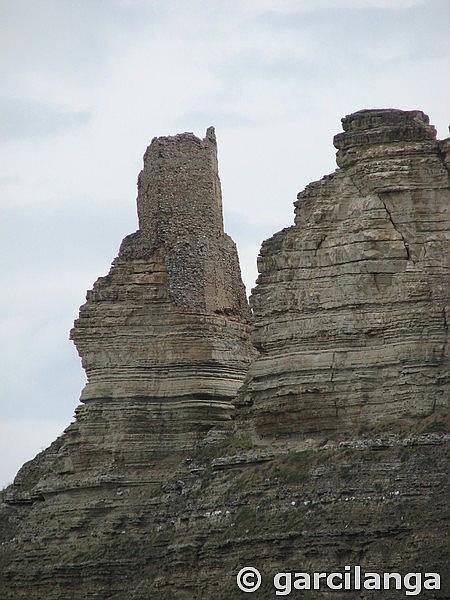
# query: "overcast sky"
86 85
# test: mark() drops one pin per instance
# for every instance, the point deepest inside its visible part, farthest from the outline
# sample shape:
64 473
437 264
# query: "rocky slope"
334 454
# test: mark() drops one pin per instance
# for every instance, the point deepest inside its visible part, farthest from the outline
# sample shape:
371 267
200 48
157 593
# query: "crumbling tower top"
179 188
180 214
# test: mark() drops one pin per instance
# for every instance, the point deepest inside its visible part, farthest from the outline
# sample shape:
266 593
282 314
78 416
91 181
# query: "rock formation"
355 331
177 471
164 340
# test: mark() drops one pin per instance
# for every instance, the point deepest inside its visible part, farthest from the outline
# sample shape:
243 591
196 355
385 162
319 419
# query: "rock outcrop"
351 306
178 472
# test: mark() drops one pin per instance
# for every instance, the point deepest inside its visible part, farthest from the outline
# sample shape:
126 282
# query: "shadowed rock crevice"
405 243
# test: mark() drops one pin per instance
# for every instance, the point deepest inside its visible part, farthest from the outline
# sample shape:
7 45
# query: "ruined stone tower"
180 210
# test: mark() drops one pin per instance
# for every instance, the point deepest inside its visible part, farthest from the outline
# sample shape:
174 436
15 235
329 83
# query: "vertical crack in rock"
446 334
405 243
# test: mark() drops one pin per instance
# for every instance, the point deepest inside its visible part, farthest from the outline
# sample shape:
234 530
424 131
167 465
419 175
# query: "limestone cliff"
351 306
334 453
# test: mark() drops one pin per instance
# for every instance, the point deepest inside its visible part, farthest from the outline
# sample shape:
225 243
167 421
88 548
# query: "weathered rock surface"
335 454
351 306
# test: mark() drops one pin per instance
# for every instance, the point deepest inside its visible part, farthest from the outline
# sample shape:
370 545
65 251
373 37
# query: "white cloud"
287 7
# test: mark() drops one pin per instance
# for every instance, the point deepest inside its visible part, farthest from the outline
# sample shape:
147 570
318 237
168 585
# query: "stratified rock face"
351 306
336 455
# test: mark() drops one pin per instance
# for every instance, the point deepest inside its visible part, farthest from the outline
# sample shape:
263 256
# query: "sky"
85 87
